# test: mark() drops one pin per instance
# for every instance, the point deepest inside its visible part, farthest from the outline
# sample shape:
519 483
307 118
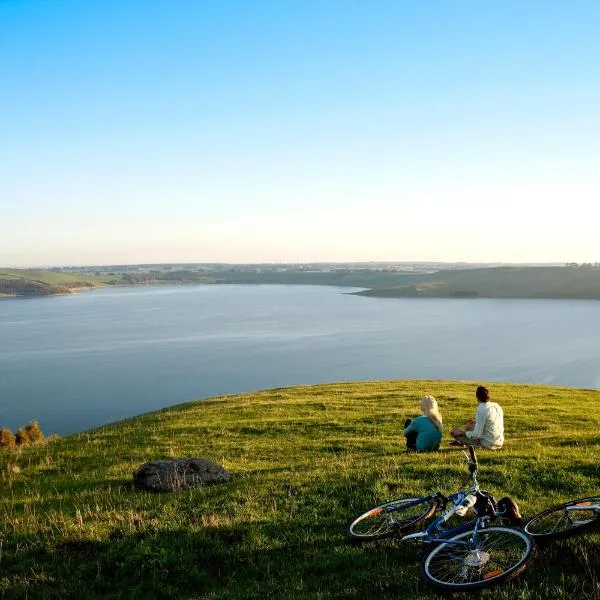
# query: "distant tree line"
153 276
587 265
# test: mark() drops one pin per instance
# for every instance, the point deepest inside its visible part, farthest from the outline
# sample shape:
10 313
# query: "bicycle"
471 556
565 519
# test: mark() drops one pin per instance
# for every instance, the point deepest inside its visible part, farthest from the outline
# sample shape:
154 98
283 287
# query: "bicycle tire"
381 522
453 568
559 522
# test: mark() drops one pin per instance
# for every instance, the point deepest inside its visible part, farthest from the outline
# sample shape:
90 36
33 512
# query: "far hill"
41 282
30 282
304 461
500 282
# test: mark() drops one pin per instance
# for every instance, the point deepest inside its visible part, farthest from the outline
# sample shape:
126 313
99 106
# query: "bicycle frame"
436 533
583 506
572 517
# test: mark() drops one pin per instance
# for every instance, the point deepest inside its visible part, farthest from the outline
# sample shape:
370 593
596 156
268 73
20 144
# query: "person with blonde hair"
425 432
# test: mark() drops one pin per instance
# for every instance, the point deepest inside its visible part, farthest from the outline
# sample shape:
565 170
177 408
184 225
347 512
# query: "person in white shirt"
487 431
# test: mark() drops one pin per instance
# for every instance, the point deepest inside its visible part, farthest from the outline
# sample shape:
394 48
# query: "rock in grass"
177 474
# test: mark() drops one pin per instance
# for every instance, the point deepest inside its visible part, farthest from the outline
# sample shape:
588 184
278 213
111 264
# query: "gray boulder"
177 474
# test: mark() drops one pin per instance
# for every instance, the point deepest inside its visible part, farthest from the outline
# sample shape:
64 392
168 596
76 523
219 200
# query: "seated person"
425 432
487 431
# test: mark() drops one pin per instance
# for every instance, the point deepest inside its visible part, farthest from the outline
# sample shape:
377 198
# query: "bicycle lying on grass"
565 519
473 555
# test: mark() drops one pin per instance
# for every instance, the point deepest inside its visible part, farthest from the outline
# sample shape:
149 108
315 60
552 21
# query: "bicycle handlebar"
472 460
472 454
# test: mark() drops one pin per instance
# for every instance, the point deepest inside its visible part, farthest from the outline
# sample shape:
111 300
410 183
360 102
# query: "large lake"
75 362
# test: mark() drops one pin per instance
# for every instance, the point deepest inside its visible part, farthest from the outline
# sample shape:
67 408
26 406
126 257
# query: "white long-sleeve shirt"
489 425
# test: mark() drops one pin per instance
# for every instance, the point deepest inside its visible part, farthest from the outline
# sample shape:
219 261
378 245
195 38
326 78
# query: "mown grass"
304 461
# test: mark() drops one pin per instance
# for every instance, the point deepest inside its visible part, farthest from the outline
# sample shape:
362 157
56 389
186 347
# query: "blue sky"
331 130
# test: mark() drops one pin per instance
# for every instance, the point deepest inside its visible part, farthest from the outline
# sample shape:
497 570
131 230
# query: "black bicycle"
565 519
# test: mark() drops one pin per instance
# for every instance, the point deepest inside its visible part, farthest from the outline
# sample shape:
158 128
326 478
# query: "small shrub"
7 439
34 433
30 434
21 437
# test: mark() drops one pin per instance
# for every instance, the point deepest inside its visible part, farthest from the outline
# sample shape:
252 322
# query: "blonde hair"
430 409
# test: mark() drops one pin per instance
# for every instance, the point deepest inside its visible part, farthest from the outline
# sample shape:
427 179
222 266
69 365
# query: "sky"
299 131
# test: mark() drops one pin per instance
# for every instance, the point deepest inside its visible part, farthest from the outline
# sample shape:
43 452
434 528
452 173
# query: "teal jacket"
428 437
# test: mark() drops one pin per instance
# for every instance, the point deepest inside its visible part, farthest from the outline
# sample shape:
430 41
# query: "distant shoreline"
554 283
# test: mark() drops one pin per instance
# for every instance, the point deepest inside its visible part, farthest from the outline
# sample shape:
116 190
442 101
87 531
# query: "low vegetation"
30 434
7 439
304 462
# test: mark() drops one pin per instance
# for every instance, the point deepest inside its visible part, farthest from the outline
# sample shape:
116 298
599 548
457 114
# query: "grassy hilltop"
304 461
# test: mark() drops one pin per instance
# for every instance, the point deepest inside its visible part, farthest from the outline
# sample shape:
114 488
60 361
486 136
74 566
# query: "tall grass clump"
7 439
34 433
30 434
21 437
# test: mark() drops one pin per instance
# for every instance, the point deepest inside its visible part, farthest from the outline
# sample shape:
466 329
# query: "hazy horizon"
290 263
299 132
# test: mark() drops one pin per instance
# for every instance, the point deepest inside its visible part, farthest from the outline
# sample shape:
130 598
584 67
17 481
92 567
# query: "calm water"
74 362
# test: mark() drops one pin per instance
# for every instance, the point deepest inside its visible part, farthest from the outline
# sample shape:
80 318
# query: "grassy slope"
41 282
52 277
305 460
501 282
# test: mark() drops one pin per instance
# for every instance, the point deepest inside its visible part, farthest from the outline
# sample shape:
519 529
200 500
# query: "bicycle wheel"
565 519
498 555
397 516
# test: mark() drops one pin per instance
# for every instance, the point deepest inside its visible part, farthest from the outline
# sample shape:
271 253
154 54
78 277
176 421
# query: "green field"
40 282
499 282
304 461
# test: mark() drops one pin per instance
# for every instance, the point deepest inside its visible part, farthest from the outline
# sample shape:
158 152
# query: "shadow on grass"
299 551
231 563
217 562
